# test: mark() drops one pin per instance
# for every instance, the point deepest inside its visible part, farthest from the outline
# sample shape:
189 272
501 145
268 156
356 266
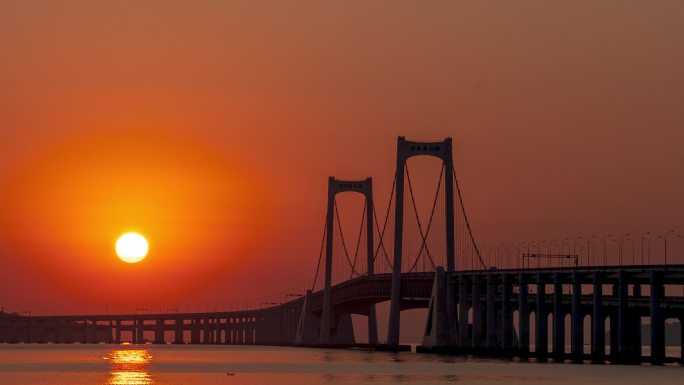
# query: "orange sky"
212 126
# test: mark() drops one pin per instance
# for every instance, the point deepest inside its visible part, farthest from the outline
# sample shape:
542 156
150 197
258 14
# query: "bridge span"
600 309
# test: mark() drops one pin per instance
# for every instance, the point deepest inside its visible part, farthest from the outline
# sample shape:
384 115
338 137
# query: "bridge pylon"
337 186
405 150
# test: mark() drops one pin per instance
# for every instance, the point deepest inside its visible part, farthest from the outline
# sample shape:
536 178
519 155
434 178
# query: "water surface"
211 365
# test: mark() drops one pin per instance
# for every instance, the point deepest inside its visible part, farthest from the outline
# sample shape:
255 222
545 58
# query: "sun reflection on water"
129 367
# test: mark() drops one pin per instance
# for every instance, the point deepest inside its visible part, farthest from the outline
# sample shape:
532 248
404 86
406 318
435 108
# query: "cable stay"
358 239
420 226
320 256
381 243
344 244
465 217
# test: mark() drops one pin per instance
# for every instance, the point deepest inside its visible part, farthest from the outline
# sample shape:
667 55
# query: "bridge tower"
336 186
405 150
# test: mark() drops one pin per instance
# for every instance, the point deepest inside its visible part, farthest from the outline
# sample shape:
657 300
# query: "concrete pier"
524 316
492 340
657 320
577 349
558 319
541 328
477 312
598 346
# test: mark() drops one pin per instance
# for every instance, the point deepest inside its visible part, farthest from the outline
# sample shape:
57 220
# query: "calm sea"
201 365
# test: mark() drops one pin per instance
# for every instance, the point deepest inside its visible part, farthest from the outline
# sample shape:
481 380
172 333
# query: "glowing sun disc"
131 247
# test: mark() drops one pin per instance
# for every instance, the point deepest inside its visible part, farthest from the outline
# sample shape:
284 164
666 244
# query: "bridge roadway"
482 311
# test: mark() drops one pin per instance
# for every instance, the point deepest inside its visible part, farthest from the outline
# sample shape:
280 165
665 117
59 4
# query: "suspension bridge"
564 309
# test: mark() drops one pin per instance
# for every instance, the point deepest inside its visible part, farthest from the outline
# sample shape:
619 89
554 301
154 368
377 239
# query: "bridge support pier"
615 329
451 308
477 312
492 343
624 320
558 318
195 331
437 326
598 341
541 329
507 330
141 331
462 312
523 316
635 351
372 326
159 331
117 332
178 331
657 320
577 319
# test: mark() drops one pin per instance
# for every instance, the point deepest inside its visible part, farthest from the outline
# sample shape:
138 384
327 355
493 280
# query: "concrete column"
178 331
195 331
206 331
159 331
614 330
436 332
324 337
117 332
462 311
657 319
506 314
542 337
492 340
451 308
523 315
558 318
141 331
635 351
395 300
577 319
449 209
598 340
623 318
84 332
477 312
370 261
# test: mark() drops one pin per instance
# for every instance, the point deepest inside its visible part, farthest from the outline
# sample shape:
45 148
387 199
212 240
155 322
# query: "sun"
131 247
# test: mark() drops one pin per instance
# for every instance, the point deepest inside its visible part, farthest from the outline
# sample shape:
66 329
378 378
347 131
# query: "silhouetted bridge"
512 312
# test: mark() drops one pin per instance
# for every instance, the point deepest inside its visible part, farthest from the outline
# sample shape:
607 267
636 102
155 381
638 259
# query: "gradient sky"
211 127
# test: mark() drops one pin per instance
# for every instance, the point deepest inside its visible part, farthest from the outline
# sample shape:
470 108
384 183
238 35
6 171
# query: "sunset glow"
132 247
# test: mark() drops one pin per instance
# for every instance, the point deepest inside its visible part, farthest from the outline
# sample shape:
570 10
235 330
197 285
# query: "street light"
664 238
643 238
605 249
574 247
593 253
622 236
633 256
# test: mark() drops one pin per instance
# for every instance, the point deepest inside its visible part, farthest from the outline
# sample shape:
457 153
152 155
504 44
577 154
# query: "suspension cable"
384 226
320 256
465 217
432 214
358 240
344 244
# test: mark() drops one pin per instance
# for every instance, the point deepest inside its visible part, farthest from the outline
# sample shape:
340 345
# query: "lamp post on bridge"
605 249
633 256
620 253
574 247
664 238
593 249
643 238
